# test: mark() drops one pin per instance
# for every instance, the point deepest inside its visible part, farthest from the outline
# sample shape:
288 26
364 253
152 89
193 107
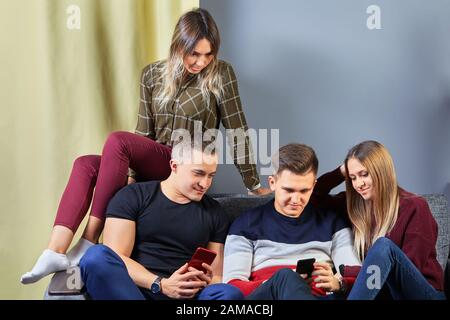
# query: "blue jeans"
397 274
286 284
106 278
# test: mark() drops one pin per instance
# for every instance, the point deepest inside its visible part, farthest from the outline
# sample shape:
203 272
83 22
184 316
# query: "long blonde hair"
192 27
373 218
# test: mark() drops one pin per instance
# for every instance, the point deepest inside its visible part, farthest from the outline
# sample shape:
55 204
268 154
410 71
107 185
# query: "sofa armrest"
66 285
447 280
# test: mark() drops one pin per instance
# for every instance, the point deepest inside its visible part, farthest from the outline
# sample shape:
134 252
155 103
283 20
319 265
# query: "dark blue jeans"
285 284
106 278
387 267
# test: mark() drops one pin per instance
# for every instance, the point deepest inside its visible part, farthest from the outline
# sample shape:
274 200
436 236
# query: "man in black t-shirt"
153 228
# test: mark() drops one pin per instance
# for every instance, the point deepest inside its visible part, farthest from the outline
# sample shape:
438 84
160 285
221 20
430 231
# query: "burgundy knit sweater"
415 231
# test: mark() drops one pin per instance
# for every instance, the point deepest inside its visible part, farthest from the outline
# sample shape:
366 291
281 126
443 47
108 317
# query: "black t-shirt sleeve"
221 223
126 203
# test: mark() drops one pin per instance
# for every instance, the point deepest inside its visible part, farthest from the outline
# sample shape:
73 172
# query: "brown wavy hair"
192 27
373 218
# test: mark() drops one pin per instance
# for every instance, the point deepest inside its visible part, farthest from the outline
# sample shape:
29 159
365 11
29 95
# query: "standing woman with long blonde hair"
190 90
395 232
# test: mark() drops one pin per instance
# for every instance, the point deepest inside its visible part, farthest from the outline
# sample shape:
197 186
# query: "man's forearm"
140 275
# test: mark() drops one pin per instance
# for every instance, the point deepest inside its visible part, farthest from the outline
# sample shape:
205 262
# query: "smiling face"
361 180
292 191
193 178
197 60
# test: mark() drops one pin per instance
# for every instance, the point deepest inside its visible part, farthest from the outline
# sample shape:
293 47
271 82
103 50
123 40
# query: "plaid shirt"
188 109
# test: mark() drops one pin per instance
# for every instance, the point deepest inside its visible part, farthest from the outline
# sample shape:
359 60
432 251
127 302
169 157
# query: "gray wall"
315 71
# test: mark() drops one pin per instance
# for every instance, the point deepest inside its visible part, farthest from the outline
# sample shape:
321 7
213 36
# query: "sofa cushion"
234 204
439 208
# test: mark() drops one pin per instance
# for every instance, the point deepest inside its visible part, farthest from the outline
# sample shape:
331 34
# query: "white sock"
78 251
49 262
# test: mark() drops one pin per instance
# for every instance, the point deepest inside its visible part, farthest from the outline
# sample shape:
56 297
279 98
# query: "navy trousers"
106 278
397 275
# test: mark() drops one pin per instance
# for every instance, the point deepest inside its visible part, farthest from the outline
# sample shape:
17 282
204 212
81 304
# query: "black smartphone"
305 266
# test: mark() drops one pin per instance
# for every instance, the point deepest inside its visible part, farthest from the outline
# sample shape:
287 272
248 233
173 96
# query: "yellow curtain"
69 75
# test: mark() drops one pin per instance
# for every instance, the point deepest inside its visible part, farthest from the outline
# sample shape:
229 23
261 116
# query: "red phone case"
202 255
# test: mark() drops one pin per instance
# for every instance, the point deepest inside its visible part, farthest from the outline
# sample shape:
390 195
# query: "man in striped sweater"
264 244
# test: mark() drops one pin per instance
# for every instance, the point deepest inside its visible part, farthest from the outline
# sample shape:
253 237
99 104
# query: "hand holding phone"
200 256
305 266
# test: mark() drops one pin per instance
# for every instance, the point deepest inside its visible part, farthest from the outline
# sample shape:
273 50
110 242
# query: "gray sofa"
65 285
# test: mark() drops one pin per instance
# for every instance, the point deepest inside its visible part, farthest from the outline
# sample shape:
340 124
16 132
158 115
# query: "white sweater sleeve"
342 250
238 258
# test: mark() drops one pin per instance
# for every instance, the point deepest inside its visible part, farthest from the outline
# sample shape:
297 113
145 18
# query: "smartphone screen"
305 266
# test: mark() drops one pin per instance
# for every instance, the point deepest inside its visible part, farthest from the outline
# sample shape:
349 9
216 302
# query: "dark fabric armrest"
67 282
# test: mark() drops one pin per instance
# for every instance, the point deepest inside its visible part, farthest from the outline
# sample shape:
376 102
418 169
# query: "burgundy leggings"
108 173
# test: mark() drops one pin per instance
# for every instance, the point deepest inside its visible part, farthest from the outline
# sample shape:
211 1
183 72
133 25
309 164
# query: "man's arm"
119 235
238 259
343 254
217 265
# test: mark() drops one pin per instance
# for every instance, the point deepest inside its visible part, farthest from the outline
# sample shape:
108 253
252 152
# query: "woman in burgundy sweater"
395 232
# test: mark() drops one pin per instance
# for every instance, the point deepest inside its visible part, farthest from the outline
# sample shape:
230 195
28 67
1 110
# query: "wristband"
342 284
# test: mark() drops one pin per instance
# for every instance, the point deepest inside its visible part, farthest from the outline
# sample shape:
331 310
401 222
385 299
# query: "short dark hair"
184 147
297 158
